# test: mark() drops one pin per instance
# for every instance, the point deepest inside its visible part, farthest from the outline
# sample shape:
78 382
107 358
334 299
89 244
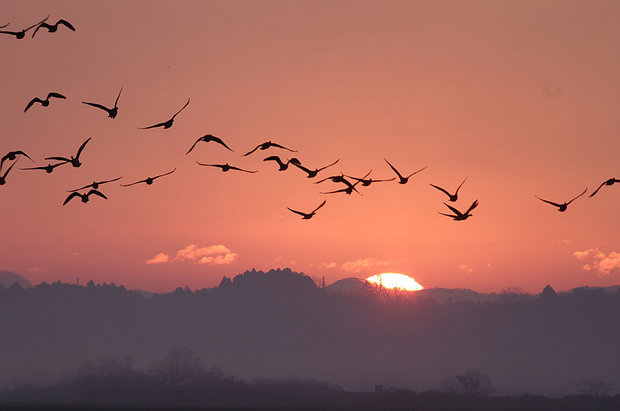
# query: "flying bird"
166 124
48 168
265 146
51 28
307 216
1 27
12 155
45 102
283 166
350 187
452 197
149 180
562 207
84 196
368 181
95 184
225 167
458 216
403 180
312 173
609 182
3 176
20 34
75 161
206 138
336 179
112 112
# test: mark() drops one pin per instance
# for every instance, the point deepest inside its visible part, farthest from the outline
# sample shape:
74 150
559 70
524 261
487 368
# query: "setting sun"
395 280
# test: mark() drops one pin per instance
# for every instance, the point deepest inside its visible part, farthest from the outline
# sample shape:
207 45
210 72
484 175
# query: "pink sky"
519 97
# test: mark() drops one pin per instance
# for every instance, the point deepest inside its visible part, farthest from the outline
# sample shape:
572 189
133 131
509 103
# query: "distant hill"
8 278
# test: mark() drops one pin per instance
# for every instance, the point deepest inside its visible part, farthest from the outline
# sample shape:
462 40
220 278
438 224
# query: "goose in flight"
368 181
307 216
3 176
95 184
206 138
84 196
149 180
312 173
452 197
225 167
609 182
20 34
51 28
112 112
166 124
45 102
75 161
48 168
336 179
12 155
562 207
265 146
283 166
350 187
458 216
403 180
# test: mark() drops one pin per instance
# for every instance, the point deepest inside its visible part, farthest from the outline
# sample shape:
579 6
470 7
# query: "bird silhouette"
206 138
84 196
3 176
225 167
336 179
283 166
51 28
112 112
1 27
265 146
312 173
458 216
95 184
45 102
368 181
307 216
75 161
166 124
12 155
48 168
562 207
149 180
403 180
452 197
350 187
20 34
609 182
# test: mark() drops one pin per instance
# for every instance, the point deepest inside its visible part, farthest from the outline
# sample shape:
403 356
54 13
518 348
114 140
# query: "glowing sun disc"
395 280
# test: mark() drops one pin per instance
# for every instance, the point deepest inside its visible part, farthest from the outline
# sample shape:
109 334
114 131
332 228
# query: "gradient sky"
520 97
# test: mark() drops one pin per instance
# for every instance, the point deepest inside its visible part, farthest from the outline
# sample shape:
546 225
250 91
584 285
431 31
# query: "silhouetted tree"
179 367
472 383
595 387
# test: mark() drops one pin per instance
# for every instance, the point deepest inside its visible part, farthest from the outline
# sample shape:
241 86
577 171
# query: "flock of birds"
349 182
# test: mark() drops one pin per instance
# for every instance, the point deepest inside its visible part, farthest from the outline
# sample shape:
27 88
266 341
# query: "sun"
395 280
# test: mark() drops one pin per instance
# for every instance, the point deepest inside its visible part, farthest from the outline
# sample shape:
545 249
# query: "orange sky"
519 97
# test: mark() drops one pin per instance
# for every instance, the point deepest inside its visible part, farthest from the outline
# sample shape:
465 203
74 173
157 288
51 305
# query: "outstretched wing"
472 206
104 108
297 212
547 201
37 24
66 24
182 108
393 168
219 141
250 152
110 181
97 193
117 97
274 158
416 172
153 126
165 174
31 102
208 165
82 148
193 145
441 189
459 187
66 160
54 94
329 165
240 169
299 166
599 187
321 205
281 146
454 210
131 184
9 169
71 196
582 193
447 215
23 154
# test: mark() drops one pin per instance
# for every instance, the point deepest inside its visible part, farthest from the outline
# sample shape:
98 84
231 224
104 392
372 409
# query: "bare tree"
472 383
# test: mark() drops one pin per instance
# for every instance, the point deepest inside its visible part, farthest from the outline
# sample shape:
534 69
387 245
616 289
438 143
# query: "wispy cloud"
212 254
596 260
466 268
365 264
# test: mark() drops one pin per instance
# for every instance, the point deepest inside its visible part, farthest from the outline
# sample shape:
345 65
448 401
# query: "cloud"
158 259
36 269
332 264
596 260
466 268
365 264
212 254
